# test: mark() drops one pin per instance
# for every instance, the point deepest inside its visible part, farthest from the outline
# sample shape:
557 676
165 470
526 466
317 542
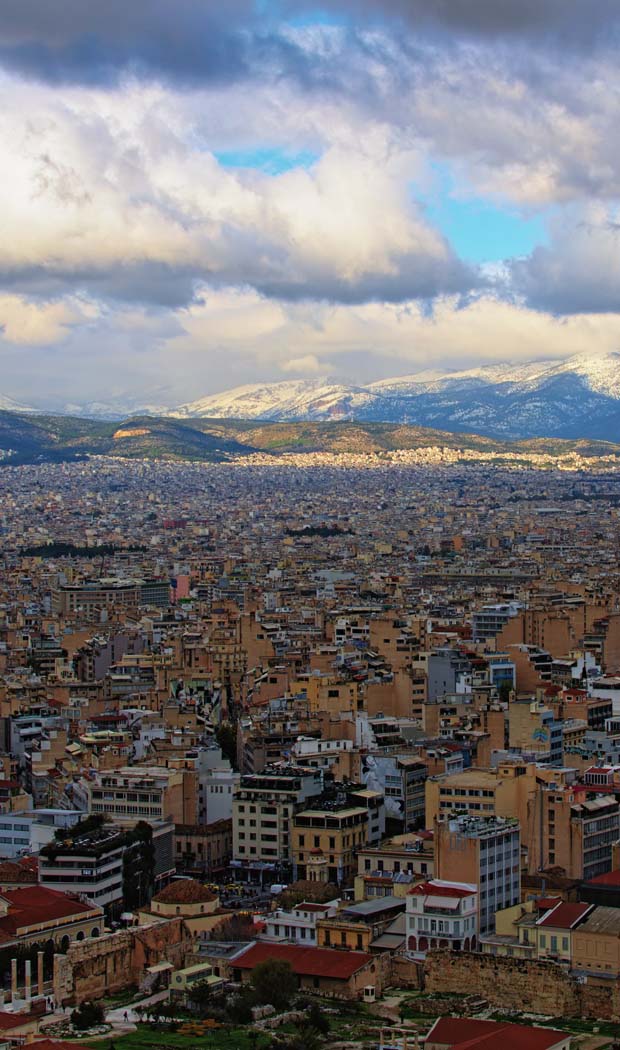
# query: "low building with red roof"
602 889
18 1027
554 930
35 915
326 971
470 1033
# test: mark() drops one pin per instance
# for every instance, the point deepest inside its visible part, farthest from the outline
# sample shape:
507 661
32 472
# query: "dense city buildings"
369 714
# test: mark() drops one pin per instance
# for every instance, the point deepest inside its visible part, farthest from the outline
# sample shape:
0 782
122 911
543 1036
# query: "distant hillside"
40 439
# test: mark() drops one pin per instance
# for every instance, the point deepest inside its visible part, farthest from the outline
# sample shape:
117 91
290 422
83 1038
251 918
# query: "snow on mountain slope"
601 373
291 399
7 404
578 397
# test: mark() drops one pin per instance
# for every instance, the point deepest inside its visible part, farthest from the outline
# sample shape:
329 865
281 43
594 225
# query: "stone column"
13 980
40 990
28 980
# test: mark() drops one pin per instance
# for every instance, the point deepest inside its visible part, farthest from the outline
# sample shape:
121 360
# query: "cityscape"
309 525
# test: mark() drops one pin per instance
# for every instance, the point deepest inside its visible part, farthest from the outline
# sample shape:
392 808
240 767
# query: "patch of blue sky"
272 160
481 230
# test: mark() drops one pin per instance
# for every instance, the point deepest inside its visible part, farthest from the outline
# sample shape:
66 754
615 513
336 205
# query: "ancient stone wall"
406 973
106 965
521 985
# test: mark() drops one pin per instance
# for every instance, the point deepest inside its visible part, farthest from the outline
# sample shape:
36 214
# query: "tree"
234 928
87 1015
199 996
305 890
226 736
316 1019
505 690
274 982
239 1007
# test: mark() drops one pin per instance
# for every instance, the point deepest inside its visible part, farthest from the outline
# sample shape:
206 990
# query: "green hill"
32 439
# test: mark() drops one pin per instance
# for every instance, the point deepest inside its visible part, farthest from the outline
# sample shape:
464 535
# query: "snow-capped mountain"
578 397
7 404
291 399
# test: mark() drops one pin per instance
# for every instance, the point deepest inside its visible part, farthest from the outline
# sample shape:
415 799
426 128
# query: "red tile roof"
8 1021
31 905
306 962
56 1044
12 871
185 891
609 878
460 1033
564 916
432 889
544 903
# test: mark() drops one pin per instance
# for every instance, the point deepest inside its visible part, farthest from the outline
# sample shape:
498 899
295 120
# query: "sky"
199 195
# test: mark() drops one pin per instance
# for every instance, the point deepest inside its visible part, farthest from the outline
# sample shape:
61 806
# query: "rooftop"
306 962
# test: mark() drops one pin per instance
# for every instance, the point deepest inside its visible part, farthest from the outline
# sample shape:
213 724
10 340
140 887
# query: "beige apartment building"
145 793
263 808
329 838
574 830
502 792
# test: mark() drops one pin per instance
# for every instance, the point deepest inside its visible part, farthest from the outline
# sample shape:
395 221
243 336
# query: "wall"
106 965
520 984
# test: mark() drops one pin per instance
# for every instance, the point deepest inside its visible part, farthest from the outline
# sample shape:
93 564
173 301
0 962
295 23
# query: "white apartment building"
298 926
441 915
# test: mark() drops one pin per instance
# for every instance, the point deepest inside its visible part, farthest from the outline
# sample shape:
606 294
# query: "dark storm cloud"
271 274
566 20
577 273
92 42
192 41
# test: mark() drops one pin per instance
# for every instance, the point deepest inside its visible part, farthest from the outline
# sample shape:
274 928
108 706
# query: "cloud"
24 323
111 197
230 336
197 41
371 340
579 271
307 365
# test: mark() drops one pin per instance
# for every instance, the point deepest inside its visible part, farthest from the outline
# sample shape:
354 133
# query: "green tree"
239 1007
226 736
305 890
274 982
87 1015
505 690
138 866
316 1020
200 996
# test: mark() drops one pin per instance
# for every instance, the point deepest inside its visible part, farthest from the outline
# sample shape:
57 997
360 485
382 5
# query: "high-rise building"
485 853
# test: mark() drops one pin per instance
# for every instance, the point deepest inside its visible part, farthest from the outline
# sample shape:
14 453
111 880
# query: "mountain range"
578 398
575 398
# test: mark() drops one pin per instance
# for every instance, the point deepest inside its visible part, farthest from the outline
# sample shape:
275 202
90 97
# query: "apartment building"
263 808
144 793
441 914
103 863
533 730
574 829
298 925
505 791
485 853
382 870
330 834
